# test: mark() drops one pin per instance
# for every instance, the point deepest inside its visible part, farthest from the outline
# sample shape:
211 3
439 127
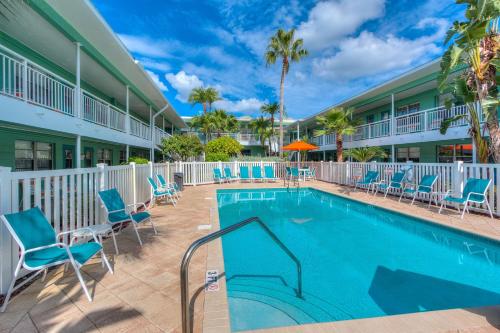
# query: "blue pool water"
357 260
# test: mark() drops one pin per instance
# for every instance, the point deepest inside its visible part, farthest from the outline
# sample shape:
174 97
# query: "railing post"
425 120
102 176
25 80
194 174
458 178
331 170
108 115
235 168
6 265
348 172
134 183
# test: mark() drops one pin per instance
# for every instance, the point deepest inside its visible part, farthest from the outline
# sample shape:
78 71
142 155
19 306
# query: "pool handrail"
186 309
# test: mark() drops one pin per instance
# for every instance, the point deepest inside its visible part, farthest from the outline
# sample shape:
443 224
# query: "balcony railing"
27 81
422 121
159 135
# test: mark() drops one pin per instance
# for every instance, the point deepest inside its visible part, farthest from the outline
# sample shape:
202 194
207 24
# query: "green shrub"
182 147
224 145
138 160
216 157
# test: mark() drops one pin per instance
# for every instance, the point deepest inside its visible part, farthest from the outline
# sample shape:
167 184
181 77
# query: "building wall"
8 137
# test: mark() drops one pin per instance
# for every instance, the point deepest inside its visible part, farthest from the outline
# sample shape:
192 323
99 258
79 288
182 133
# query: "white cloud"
154 64
183 84
330 21
368 54
247 105
156 79
145 45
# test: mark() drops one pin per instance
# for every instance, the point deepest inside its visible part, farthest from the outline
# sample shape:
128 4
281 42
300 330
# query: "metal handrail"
186 310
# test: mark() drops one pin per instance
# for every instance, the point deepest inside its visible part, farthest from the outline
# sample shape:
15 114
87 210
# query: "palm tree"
284 46
205 123
223 122
338 121
204 96
211 96
366 154
475 45
270 109
260 126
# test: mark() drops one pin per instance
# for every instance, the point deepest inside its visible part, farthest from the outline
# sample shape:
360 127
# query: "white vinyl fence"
69 200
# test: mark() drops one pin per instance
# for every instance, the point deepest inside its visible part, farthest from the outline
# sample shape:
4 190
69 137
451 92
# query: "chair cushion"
140 217
81 253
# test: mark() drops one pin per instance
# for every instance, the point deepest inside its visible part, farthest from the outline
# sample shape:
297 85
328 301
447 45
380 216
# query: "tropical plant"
270 109
217 157
338 121
285 47
205 124
366 154
204 96
475 45
138 160
182 147
224 145
260 126
223 122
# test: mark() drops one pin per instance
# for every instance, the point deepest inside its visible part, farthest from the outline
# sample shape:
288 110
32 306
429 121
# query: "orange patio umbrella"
300 146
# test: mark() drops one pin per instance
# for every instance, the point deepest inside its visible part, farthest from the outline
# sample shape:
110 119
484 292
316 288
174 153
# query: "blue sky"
353 45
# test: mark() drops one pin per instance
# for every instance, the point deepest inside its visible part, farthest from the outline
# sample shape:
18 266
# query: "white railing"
23 79
160 135
139 128
370 131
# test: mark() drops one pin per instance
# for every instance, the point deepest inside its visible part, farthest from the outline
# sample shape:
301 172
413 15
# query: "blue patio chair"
229 175
118 213
244 174
161 193
257 173
41 248
474 191
269 173
310 173
369 180
170 186
396 183
218 177
425 187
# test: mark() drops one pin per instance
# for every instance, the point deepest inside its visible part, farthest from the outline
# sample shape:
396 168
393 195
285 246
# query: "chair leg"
413 199
430 200
463 211
11 286
80 278
137 232
441 208
44 274
489 208
114 241
386 191
153 225
104 259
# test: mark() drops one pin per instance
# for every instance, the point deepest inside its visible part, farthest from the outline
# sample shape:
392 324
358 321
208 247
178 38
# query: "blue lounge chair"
172 186
161 193
257 173
41 248
425 187
310 173
229 175
369 180
396 183
269 173
244 174
474 191
118 213
218 177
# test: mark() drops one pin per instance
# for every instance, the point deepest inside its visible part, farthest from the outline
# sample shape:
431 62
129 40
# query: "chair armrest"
116 211
138 204
46 247
476 193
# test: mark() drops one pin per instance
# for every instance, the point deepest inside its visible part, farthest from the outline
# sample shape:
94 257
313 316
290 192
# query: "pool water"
357 260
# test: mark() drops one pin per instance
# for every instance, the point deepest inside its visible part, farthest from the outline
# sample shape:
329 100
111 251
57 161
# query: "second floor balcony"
405 127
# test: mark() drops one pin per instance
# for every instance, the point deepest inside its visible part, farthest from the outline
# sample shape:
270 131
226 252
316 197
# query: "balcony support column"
127 111
393 154
78 91
152 130
127 152
392 123
78 151
25 80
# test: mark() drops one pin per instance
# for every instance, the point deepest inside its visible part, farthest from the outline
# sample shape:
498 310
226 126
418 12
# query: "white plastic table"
100 230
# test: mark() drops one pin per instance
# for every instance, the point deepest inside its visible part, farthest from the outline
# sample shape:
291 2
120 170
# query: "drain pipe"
152 127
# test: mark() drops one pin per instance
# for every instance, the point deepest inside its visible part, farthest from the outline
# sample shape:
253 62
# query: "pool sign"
212 280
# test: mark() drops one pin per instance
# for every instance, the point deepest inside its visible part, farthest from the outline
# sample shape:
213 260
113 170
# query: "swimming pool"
357 260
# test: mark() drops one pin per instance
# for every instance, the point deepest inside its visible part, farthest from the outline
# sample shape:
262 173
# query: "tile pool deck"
144 295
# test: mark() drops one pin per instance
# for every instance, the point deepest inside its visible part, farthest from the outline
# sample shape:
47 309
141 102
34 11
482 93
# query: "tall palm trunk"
204 107
340 148
282 103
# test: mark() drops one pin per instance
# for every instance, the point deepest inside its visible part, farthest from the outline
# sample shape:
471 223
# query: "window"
123 156
408 154
452 153
370 119
104 156
68 152
385 115
407 109
33 155
88 157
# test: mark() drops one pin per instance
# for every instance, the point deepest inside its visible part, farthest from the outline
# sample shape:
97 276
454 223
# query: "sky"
353 45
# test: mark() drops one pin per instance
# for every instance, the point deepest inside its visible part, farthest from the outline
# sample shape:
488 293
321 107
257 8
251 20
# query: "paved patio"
144 296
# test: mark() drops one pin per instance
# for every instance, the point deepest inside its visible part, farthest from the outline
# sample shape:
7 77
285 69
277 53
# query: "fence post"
134 183
458 178
194 177
6 267
150 165
102 176
235 168
331 170
347 172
